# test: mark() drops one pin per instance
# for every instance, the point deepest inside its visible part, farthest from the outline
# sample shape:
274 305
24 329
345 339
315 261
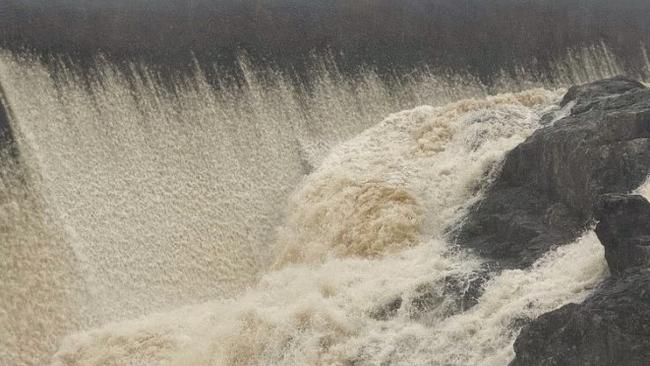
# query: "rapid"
265 224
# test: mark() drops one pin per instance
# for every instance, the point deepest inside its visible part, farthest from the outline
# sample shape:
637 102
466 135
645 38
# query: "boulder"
548 186
612 327
437 299
624 230
587 93
601 154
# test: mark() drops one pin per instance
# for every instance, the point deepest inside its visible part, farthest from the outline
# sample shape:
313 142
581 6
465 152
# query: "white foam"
142 200
321 316
410 175
392 190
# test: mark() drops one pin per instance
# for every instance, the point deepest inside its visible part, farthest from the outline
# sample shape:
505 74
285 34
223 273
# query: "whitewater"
265 225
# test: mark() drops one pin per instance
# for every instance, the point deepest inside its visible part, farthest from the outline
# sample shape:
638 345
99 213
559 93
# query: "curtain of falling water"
132 199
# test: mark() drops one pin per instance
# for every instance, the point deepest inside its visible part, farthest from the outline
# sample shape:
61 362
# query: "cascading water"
395 186
132 201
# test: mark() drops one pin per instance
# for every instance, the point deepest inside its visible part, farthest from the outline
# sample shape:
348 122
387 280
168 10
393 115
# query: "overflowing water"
266 224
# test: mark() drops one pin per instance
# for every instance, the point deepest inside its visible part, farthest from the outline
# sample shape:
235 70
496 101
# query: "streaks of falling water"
131 199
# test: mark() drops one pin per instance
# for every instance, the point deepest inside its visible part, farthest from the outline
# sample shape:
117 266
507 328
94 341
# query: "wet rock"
435 300
624 231
612 327
447 297
548 185
588 93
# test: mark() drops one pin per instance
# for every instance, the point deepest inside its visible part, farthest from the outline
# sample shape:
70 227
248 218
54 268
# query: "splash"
324 316
381 191
137 198
375 195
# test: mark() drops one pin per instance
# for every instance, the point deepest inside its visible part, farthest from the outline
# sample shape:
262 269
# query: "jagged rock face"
610 328
435 300
552 187
549 184
624 230
587 163
588 93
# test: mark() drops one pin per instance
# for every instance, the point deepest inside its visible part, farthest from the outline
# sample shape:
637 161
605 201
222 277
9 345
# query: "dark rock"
584 166
587 93
612 327
548 185
624 230
447 297
436 299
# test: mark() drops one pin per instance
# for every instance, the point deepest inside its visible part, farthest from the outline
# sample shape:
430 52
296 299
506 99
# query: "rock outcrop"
624 229
563 179
438 299
612 327
549 184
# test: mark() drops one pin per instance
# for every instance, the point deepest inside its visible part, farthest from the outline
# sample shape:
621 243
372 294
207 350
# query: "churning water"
266 224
